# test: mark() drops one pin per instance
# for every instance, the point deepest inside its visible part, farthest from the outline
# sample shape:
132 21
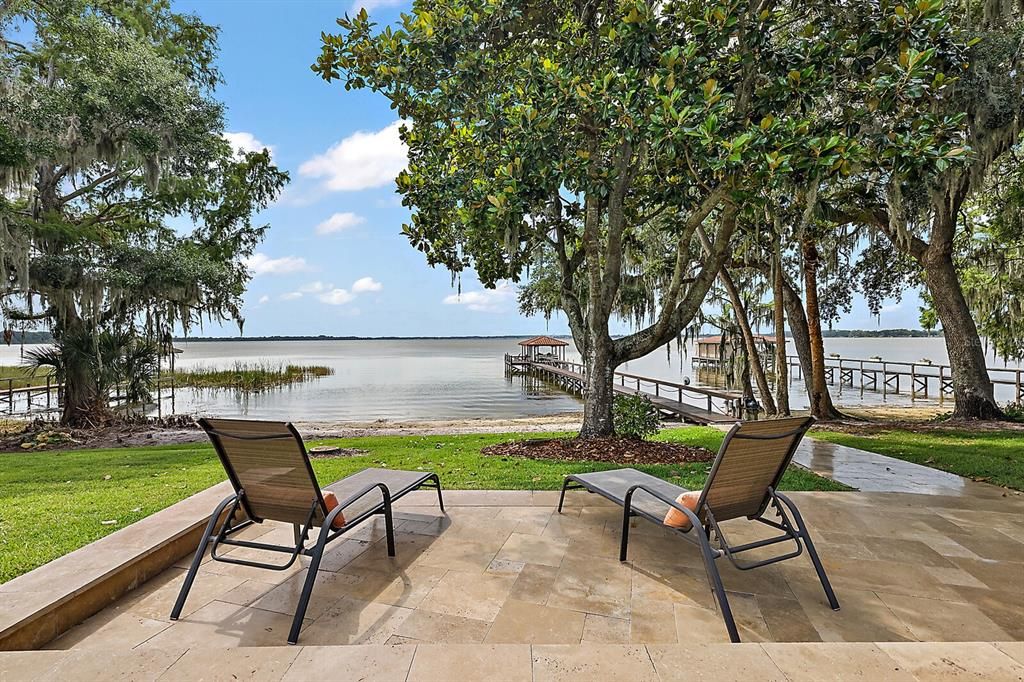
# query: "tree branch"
88 187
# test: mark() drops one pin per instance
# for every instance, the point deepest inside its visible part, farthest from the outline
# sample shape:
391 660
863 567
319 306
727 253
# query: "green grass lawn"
53 502
992 456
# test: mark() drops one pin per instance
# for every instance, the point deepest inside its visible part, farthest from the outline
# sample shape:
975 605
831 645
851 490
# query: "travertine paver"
492 662
248 663
714 663
364 663
939 662
515 572
553 663
836 662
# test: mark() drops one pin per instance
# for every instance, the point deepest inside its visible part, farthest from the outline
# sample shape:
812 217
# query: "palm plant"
115 363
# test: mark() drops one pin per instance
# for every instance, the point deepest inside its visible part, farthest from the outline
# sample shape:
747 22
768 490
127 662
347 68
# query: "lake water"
455 378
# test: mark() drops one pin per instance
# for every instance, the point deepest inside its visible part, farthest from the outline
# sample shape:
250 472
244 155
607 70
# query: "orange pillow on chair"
331 501
676 518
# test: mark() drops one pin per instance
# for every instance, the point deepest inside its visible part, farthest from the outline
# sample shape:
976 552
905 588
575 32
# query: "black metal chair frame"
328 533
794 530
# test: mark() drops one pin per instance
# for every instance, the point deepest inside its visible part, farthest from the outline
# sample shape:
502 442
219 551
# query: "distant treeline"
45 336
31 337
324 337
837 333
878 333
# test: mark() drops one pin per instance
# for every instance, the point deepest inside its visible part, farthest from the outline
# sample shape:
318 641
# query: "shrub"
1014 412
635 416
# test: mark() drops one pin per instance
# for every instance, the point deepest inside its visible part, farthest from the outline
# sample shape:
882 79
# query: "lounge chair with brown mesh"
273 480
743 483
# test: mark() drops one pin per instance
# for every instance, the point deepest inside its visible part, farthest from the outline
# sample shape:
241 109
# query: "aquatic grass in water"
250 377
22 376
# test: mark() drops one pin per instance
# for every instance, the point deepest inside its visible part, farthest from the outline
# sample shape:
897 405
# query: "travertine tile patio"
507 569
504 588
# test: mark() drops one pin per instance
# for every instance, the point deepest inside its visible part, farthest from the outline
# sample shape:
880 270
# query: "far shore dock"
915 379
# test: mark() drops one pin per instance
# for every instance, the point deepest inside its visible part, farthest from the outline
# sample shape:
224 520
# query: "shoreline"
868 419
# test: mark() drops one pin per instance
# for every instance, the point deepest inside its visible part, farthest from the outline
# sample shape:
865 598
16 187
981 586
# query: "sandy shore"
135 436
384 427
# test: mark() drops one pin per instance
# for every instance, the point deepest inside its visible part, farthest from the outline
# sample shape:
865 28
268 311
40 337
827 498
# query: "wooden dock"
914 379
667 396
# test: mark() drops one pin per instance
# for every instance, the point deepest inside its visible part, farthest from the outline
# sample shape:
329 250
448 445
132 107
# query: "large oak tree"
109 133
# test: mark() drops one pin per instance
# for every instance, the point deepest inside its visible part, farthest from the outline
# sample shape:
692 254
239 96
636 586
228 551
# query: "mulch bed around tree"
331 451
618 450
868 428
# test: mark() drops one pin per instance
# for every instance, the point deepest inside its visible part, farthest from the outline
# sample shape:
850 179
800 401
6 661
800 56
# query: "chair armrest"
329 521
694 521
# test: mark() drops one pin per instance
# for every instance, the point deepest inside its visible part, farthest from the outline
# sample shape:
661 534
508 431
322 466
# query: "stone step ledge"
897 661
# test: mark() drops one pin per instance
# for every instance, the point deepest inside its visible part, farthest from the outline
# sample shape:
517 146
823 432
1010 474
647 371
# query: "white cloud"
360 161
264 299
370 5
316 288
485 300
339 222
331 295
262 264
366 284
243 143
892 308
336 297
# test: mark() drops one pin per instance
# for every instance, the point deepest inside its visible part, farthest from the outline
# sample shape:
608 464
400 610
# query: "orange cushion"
676 518
331 501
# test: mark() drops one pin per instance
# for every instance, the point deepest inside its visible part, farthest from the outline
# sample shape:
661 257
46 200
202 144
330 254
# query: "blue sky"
334 261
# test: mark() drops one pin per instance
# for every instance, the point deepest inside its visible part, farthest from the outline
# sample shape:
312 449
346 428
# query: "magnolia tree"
604 137
108 131
923 213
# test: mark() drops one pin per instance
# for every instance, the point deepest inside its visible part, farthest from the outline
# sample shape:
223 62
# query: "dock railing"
11 394
885 376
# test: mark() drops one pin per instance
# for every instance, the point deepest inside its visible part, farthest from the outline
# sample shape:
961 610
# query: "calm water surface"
451 378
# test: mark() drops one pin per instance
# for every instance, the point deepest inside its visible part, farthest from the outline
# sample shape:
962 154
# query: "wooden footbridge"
667 396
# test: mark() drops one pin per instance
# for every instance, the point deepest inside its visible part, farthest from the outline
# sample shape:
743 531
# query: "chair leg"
307 586
561 499
811 551
820 570
437 484
625 535
190 577
715 578
389 527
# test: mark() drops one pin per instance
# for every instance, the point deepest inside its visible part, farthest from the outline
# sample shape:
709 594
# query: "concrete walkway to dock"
871 472
874 473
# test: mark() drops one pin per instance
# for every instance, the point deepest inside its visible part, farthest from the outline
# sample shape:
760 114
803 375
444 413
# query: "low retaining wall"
44 603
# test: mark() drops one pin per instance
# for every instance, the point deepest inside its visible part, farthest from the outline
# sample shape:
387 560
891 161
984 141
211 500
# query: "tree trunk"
972 388
798 328
973 393
600 397
83 406
781 361
753 357
741 371
818 395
